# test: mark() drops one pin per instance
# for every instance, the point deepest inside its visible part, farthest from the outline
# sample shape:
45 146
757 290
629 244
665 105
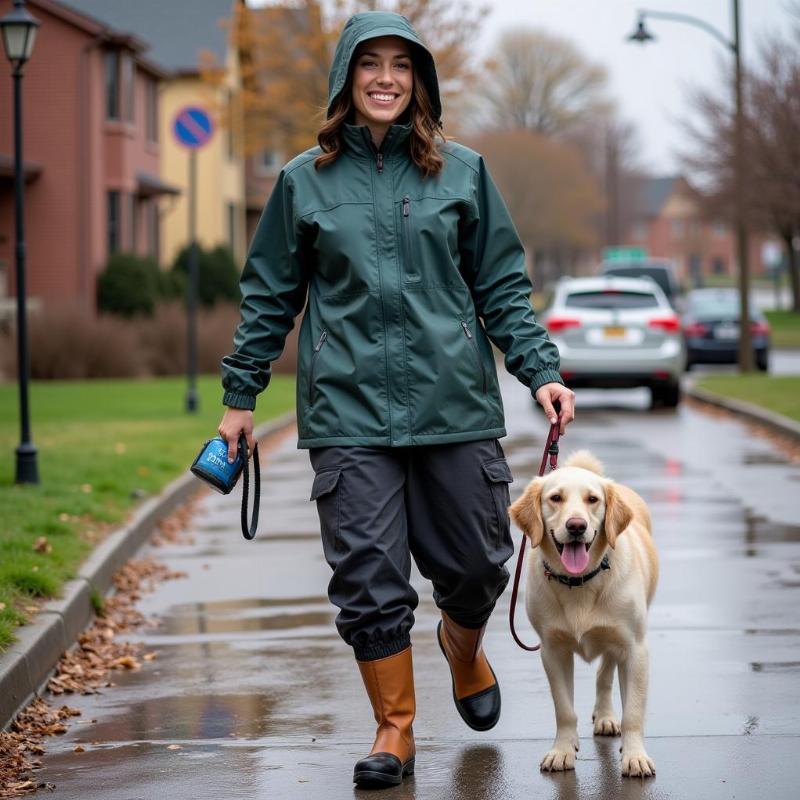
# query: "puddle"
764 457
775 666
205 624
759 530
202 717
224 606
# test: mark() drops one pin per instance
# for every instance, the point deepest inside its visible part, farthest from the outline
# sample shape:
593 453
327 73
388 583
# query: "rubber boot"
476 692
390 686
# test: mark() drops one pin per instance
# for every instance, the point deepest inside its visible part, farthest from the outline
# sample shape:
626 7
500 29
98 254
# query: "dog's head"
573 513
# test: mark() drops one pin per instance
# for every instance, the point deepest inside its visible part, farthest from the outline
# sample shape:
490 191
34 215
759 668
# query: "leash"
249 530
551 455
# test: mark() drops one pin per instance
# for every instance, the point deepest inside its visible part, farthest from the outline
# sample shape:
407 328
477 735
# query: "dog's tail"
585 460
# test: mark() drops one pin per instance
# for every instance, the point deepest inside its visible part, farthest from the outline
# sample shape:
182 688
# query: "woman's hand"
234 422
554 392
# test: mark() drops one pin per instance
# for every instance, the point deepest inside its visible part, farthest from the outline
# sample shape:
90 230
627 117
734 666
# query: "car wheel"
668 396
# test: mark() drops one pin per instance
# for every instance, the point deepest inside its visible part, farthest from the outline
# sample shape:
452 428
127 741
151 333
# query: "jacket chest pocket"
410 273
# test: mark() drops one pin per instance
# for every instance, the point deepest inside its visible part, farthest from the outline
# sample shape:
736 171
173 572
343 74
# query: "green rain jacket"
407 280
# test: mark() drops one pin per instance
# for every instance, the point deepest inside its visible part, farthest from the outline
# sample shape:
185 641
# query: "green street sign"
626 254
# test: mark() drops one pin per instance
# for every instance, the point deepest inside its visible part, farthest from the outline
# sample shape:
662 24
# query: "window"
152 230
267 162
151 109
232 226
128 74
112 84
112 222
611 299
133 210
718 265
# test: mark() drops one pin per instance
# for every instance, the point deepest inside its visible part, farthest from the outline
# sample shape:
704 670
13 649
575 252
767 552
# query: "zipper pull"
322 338
406 206
466 329
379 161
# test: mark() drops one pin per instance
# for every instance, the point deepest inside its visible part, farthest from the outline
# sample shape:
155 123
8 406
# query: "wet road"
263 701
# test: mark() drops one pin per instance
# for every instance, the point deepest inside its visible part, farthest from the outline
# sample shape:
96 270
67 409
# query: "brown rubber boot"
476 692
390 686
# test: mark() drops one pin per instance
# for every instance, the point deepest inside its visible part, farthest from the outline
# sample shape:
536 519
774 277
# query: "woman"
409 260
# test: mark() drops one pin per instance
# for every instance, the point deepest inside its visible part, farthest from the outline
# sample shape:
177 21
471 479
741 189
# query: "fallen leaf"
41 545
2 606
79 749
63 517
86 488
149 656
142 471
129 662
174 747
120 448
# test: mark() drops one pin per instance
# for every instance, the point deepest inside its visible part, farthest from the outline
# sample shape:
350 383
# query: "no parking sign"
192 127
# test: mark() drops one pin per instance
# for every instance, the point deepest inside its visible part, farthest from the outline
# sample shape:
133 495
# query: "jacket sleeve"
274 282
494 261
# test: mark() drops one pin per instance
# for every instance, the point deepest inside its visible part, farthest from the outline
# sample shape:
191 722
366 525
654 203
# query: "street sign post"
193 129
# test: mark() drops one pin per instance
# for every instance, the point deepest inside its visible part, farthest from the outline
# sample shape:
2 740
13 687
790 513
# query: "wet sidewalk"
253 695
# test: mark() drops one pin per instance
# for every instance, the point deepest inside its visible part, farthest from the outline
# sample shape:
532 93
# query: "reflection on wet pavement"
257 697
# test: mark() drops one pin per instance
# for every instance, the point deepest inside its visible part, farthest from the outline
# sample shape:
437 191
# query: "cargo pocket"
498 474
325 490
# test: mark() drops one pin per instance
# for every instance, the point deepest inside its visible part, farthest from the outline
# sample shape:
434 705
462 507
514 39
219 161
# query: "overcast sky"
649 82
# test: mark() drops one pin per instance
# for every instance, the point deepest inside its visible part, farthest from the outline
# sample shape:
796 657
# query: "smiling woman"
403 254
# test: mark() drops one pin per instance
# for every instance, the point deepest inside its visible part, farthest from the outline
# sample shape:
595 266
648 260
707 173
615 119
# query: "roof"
177 30
653 194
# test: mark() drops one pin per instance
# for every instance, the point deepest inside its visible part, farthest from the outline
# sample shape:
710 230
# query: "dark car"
659 270
711 329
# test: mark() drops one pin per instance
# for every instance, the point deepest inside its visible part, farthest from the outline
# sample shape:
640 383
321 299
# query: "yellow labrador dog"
591 577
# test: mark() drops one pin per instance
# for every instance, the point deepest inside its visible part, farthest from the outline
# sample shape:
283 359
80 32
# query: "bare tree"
550 194
540 82
772 149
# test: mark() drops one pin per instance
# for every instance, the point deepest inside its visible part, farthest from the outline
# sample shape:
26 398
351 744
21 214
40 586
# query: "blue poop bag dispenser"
211 465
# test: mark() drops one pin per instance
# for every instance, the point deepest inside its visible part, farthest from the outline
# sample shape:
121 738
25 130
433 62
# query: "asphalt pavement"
253 695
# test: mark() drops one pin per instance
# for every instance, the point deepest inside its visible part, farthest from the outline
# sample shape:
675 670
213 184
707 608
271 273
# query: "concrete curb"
27 665
775 422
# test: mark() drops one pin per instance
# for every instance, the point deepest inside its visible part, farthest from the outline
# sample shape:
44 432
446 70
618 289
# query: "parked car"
617 332
711 329
660 270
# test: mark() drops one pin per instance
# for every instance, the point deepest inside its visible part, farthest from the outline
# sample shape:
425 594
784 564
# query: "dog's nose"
576 526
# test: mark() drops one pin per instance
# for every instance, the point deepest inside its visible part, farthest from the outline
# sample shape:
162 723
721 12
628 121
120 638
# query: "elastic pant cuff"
472 621
384 649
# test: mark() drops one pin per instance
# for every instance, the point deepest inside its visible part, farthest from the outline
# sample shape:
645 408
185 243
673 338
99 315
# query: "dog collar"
574 580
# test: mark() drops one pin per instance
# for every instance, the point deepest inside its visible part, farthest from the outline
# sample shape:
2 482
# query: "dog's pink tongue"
575 557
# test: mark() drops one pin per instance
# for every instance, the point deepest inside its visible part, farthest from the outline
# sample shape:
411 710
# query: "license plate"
614 332
726 332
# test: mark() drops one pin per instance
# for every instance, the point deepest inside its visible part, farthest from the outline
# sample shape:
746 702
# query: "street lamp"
19 33
642 36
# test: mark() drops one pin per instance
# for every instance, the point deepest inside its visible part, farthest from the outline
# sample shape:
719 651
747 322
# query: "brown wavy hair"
426 131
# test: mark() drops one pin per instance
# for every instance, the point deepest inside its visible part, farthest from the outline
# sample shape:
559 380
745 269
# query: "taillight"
759 328
666 324
558 324
696 329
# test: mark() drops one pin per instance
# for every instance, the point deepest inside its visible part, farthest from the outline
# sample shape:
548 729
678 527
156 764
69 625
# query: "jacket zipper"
311 387
407 238
379 161
468 334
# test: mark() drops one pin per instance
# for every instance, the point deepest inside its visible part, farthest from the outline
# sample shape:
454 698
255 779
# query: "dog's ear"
526 511
618 514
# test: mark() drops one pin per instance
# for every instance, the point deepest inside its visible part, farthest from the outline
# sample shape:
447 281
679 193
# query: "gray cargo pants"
444 504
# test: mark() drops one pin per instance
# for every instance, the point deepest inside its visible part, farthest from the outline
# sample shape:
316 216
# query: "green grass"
102 445
778 393
785 327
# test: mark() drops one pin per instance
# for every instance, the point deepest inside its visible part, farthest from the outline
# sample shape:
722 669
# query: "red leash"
551 452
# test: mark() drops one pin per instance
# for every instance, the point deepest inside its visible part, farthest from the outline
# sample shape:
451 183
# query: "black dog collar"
574 580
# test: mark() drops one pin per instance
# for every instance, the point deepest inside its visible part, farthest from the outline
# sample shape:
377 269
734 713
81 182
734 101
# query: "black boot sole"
456 700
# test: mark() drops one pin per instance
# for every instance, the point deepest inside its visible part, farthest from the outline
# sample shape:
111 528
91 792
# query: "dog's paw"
558 759
637 764
606 725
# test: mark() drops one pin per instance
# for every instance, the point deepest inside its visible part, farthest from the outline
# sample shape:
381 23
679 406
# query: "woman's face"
383 81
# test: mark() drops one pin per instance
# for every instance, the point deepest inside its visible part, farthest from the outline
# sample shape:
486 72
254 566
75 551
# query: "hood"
370 25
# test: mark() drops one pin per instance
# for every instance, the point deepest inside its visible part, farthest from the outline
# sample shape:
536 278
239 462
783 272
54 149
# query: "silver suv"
617 332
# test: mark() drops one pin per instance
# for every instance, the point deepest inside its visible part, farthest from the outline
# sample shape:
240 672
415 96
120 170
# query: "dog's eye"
592 498
555 498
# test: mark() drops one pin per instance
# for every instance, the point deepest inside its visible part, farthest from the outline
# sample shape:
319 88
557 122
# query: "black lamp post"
642 35
19 33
